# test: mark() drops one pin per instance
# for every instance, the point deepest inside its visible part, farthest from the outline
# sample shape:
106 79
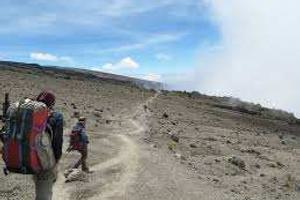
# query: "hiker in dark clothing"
37 130
44 181
79 141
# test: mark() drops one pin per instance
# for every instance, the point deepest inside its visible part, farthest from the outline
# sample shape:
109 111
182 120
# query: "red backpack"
75 139
27 147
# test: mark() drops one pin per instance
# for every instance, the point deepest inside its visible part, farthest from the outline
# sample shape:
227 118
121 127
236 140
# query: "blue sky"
248 49
140 38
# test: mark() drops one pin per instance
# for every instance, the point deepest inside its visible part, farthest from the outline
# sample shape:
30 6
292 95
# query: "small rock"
183 158
99 110
74 106
215 180
251 151
237 162
76 114
153 145
193 145
217 160
175 138
228 142
283 142
212 139
177 155
262 175
233 191
97 114
145 107
279 164
108 121
165 115
273 165
280 137
257 166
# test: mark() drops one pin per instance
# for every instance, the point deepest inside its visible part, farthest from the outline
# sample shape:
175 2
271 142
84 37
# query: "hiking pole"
4 115
5 107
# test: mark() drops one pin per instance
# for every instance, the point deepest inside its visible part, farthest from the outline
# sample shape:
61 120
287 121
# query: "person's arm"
84 136
57 142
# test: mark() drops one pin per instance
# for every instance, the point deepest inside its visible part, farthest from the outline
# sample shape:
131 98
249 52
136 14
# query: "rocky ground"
247 156
147 145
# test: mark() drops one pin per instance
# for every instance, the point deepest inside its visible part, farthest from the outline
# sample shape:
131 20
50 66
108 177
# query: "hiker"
79 142
33 137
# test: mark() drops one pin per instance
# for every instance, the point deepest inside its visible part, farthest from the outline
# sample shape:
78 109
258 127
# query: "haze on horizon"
247 49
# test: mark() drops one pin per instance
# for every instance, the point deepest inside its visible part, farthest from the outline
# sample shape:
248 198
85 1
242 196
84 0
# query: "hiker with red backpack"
32 141
79 142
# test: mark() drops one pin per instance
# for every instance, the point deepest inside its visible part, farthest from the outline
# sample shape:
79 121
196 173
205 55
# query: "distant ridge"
83 72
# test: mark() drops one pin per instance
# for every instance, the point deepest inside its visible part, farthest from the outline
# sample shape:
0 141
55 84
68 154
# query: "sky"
248 49
148 39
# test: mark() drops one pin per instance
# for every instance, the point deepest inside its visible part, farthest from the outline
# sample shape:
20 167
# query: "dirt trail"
127 157
60 191
137 171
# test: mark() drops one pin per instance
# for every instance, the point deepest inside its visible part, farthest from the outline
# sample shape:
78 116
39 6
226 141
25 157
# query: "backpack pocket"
45 151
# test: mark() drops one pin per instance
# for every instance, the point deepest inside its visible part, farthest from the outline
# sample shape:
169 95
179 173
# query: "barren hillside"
164 145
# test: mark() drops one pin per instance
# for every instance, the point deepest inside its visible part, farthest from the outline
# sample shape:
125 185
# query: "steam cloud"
258 57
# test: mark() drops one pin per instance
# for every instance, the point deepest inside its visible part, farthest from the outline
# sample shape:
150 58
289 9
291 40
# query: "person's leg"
43 185
79 162
43 189
84 155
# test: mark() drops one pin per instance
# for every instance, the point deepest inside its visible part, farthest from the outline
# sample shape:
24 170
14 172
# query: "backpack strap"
49 131
49 128
21 119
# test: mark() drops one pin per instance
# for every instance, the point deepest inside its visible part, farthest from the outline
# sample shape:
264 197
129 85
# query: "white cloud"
147 41
260 54
43 57
163 57
126 63
152 77
40 56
